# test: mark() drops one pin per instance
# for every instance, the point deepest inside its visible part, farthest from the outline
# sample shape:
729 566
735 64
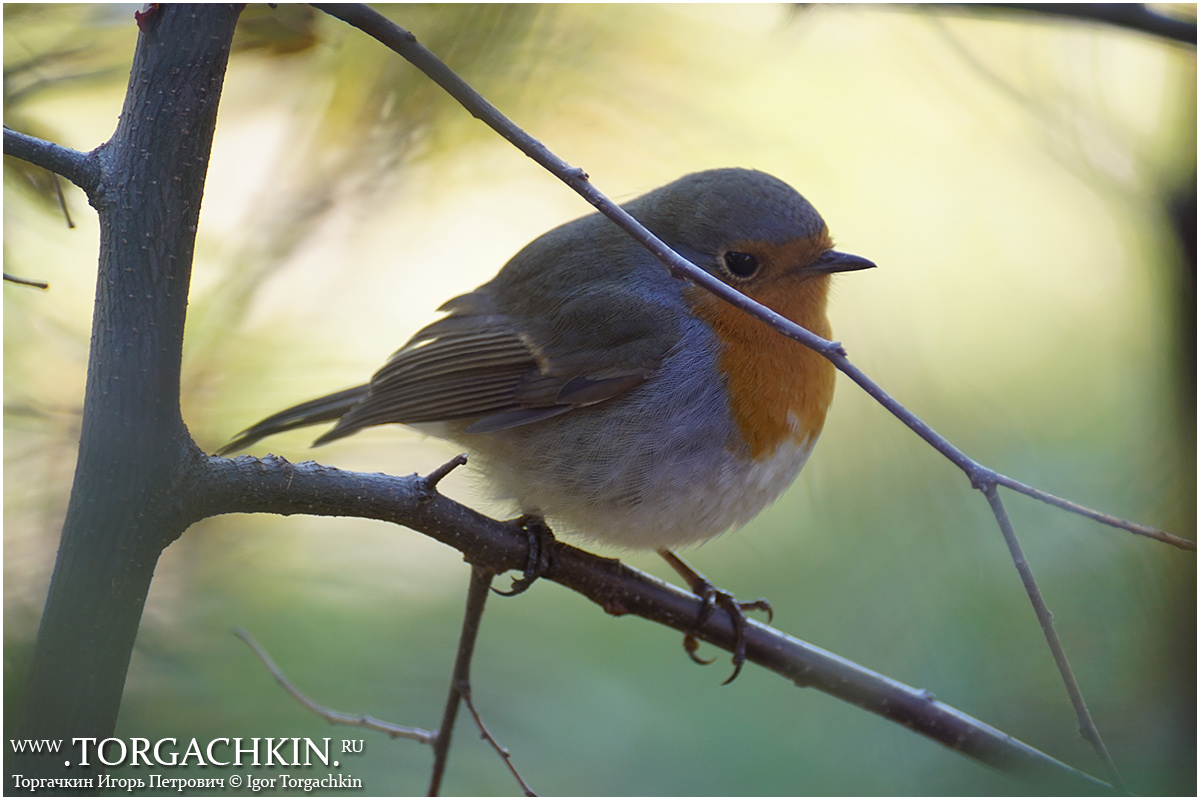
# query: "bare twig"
62 200
486 735
1087 726
328 714
460 685
435 477
26 282
460 688
1130 16
979 475
1084 511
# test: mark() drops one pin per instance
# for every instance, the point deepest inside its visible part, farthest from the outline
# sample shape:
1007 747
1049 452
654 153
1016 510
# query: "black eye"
741 265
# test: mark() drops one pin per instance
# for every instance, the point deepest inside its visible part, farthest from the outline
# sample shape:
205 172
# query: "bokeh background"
1027 186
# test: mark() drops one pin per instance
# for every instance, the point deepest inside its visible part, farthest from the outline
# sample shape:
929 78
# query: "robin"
619 403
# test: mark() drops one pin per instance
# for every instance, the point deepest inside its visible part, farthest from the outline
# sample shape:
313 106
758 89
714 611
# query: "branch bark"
81 169
146 184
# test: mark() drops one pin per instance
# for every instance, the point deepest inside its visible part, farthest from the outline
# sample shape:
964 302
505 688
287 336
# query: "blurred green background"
1020 182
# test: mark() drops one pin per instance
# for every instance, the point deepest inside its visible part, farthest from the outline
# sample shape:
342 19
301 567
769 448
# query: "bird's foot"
712 598
541 558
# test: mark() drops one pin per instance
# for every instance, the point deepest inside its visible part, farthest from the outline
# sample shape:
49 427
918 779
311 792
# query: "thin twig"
980 475
460 684
405 43
1084 511
1087 726
1138 17
62 200
435 477
486 735
328 714
26 282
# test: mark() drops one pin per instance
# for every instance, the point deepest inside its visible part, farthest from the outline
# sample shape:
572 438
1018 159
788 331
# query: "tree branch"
1137 17
81 169
440 739
140 480
272 484
123 510
460 677
26 282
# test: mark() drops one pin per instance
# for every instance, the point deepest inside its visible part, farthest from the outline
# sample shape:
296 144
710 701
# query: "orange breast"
778 388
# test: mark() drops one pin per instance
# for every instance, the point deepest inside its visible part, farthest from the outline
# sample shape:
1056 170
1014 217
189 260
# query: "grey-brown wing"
474 364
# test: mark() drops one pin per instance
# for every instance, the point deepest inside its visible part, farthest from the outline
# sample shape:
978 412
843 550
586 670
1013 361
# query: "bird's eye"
741 265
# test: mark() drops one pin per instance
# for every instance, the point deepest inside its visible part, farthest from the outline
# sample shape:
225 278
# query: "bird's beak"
833 261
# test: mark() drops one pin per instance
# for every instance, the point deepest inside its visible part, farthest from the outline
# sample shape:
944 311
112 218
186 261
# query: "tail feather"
323 409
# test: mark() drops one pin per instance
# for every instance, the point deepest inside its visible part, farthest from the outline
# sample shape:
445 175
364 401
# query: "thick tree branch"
146 184
274 485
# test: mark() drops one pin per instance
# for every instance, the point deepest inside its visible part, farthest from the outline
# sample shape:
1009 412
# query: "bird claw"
712 598
691 644
541 558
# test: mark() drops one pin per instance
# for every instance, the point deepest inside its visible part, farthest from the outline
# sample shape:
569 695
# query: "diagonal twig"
405 43
326 713
1140 17
486 735
477 594
460 680
460 689
1087 726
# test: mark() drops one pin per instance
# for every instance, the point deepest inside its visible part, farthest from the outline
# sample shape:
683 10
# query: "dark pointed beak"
833 261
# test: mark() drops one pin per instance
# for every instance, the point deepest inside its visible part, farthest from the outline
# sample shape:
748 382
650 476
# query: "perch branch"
274 485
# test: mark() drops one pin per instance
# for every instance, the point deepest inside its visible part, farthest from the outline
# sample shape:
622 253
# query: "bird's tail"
323 409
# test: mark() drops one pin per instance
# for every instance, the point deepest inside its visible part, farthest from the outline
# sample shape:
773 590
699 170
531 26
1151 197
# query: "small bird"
619 403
